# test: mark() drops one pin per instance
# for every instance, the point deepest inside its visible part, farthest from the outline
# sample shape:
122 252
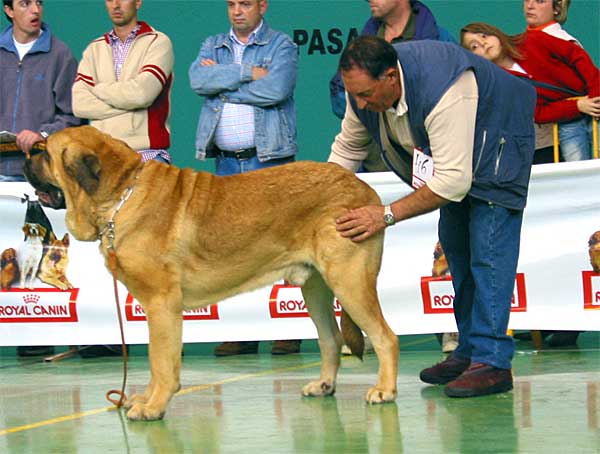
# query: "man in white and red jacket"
123 83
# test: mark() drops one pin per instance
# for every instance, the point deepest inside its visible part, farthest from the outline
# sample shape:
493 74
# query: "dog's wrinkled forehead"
75 139
66 142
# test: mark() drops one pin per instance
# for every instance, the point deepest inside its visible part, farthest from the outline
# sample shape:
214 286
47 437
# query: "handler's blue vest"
504 133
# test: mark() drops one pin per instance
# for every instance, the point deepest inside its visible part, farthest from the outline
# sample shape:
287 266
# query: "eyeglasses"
25 4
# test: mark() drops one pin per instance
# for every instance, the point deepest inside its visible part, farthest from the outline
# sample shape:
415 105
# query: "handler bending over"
460 131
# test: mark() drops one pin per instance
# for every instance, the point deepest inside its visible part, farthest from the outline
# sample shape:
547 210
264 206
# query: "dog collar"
109 229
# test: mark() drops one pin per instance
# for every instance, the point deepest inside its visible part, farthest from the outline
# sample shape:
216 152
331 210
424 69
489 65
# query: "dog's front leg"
164 351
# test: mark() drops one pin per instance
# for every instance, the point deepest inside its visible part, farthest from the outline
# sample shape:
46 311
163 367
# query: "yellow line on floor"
84 414
415 342
189 390
55 420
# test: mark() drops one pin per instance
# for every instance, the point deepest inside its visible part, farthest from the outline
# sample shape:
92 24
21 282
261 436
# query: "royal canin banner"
70 301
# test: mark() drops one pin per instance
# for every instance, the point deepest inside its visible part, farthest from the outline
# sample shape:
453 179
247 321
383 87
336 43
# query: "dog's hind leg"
319 302
358 296
164 351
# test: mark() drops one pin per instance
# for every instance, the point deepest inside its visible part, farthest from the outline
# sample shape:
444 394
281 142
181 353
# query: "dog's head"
81 169
594 250
33 231
8 256
440 264
35 215
57 249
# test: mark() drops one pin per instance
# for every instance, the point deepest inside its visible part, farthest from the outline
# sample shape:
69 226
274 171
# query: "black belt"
242 153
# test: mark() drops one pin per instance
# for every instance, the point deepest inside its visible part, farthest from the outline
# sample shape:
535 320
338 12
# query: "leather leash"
11 147
109 231
112 265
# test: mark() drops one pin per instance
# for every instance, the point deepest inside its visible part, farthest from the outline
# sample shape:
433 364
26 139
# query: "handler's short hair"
8 3
369 53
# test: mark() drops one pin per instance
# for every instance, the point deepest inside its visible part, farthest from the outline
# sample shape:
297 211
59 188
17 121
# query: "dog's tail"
352 335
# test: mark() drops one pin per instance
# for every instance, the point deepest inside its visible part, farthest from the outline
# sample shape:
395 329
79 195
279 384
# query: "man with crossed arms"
123 83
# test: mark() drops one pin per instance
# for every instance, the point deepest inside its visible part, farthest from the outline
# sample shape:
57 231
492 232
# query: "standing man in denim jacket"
37 72
248 119
459 130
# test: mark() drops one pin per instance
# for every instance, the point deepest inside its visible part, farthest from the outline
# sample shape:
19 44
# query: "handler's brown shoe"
479 380
236 348
285 347
445 371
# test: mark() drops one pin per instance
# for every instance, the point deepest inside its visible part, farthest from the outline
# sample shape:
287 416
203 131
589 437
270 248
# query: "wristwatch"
44 134
388 216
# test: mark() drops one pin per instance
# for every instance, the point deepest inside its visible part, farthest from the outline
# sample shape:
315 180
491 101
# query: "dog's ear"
5 257
42 230
86 170
26 230
52 237
66 240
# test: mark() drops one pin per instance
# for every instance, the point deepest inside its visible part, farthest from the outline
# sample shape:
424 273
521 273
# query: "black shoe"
480 380
98 351
563 338
35 350
445 371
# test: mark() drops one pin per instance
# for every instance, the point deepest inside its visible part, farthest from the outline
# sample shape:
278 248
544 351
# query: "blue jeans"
481 241
231 166
576 139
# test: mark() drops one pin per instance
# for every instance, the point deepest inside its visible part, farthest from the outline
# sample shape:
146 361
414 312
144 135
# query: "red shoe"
445 371
479 380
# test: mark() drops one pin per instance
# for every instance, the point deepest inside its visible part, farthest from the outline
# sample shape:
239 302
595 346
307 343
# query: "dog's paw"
135 399
319 388
144 412
378 395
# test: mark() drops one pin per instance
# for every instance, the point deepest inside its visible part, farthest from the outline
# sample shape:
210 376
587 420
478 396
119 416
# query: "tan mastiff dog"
186 239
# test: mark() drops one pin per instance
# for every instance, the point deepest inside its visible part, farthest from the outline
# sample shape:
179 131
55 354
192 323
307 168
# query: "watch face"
389 219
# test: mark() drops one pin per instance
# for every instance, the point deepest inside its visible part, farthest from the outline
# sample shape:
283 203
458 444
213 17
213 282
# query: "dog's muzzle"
49 195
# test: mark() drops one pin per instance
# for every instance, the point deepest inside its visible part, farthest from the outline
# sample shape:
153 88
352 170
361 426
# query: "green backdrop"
321 28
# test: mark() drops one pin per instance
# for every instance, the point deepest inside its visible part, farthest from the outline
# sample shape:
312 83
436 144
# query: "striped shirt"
120 49
236 125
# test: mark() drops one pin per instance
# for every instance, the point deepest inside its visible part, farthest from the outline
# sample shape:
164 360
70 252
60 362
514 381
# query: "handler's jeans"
231 166
576 139
481 242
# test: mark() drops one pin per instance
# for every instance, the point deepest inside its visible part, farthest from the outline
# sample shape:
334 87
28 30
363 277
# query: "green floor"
252 404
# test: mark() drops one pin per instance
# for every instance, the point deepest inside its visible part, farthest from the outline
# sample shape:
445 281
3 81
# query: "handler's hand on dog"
361 223
26 139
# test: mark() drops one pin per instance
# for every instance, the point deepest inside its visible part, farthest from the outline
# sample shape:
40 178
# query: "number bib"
422 168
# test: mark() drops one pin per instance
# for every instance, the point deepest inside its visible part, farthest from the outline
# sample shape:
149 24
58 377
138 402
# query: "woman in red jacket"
556 62
553 56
